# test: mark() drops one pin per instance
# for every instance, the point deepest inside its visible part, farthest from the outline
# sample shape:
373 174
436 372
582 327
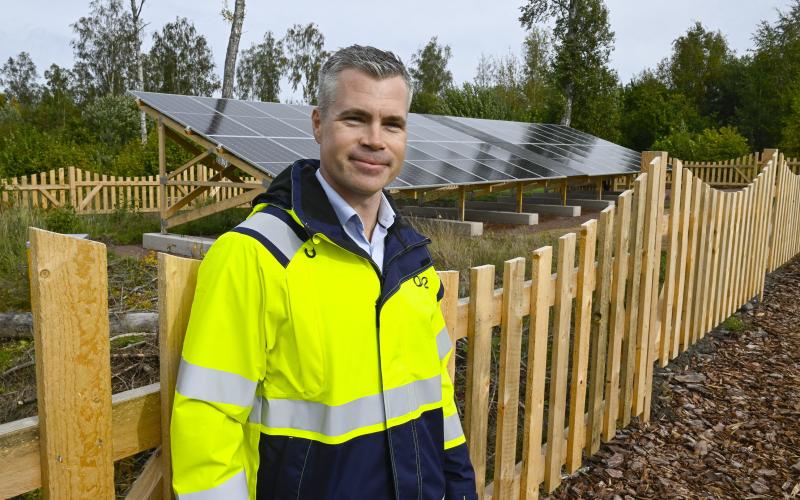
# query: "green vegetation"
122 227
733 324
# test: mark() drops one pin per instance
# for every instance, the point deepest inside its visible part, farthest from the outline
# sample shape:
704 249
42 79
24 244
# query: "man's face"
362 136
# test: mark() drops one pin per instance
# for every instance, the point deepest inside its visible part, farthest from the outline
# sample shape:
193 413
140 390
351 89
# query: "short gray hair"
379 64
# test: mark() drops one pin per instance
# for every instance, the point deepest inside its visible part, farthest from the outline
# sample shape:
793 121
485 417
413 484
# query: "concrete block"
499 217
187 246
580 202
463 228
541 208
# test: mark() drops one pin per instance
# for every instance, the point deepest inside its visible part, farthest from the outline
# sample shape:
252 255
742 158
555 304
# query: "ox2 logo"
421 281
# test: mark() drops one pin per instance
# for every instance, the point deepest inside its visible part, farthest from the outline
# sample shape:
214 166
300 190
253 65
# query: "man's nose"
373 136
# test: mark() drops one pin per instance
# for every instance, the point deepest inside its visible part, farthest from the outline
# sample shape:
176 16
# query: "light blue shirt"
354 226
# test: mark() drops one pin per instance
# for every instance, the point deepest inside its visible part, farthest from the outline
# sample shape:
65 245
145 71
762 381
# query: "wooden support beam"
197 159
212 209
162 174
462 203
564 193
520 192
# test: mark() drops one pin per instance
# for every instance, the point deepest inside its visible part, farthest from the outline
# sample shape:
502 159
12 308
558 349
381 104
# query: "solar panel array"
441 151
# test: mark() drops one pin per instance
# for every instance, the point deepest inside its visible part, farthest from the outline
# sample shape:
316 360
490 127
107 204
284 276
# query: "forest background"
700 102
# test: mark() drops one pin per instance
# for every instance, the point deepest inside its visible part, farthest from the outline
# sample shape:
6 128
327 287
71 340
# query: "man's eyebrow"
354 112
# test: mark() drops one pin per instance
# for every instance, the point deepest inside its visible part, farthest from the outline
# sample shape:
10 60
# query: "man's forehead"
356 88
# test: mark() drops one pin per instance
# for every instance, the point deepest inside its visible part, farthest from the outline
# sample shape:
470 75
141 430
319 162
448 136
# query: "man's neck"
366 207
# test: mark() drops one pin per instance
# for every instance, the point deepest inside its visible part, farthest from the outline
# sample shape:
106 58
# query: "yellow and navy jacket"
308 373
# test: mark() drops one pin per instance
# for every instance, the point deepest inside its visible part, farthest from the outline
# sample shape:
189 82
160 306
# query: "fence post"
73 195
69 290
177 279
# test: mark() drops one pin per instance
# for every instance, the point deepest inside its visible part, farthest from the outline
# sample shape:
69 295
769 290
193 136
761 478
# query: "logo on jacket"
421 281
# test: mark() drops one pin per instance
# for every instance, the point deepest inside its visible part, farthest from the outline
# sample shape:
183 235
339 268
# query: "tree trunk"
566 118
569 86
233 49
137 27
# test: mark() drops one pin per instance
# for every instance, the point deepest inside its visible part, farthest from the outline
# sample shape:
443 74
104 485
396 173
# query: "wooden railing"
719 246
735 173
90 192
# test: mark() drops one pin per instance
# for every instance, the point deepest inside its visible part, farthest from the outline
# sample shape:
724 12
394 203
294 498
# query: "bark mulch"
726 415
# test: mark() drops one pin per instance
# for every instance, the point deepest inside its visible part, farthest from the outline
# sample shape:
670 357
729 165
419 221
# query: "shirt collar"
345 213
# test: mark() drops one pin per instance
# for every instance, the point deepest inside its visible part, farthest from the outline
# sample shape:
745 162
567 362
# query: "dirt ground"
726 415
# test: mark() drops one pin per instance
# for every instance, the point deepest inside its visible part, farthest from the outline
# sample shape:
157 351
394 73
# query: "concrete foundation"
499 217
463 228
187 246
550 198
541 208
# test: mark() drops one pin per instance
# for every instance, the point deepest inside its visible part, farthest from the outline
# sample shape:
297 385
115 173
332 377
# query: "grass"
122 227
451 251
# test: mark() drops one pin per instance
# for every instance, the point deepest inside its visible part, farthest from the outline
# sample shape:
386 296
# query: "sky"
644 29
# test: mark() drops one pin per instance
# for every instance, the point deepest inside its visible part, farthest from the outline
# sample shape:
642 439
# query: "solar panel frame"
441 151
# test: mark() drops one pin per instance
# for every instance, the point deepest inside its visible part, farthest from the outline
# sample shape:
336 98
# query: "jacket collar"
297 189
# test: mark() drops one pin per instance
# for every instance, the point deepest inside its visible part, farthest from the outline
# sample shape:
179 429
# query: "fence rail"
719 246
91 192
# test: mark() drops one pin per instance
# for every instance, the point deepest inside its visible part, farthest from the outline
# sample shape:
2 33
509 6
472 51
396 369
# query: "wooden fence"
90 192
737 172
595 377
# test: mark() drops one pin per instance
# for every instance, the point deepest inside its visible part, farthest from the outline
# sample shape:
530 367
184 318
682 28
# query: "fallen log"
20 325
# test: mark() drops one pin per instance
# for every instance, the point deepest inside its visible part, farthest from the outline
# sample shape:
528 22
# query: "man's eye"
353 119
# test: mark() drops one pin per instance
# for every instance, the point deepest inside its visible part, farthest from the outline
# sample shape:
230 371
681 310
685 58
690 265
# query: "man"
315 362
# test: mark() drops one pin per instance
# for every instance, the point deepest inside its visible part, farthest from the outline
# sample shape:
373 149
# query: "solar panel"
441 151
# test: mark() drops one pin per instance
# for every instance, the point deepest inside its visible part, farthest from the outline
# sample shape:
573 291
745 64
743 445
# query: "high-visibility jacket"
308 373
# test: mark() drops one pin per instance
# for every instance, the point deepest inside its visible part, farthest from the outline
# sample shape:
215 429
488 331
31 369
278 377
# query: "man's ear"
316 124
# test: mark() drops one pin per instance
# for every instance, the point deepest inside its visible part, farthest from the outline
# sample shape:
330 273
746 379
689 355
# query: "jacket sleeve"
214 447
458 470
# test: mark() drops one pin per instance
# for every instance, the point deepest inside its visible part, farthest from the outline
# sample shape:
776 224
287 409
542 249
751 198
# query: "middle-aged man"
315 363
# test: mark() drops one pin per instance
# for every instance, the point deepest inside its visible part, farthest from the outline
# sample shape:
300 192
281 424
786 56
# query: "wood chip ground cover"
726 415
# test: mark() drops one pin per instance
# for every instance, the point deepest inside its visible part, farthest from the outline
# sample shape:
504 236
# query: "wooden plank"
508 380
705 292
148 486
754 233
768 208
724 257
177 279
649 264
580 345
659 169
678 305
136 427
703 240
733 269
69 298
479 358
632 310
449 305
541 296
711 304
616 315
207 210
84 206
673 261
162 173
743 295
599 334
559 363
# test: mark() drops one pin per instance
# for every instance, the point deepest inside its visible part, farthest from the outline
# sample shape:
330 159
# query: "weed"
733 324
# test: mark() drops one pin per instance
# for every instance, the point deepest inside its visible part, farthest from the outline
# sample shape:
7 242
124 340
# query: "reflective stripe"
337 420
208 384
444 343
452 428
275 231
234 488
